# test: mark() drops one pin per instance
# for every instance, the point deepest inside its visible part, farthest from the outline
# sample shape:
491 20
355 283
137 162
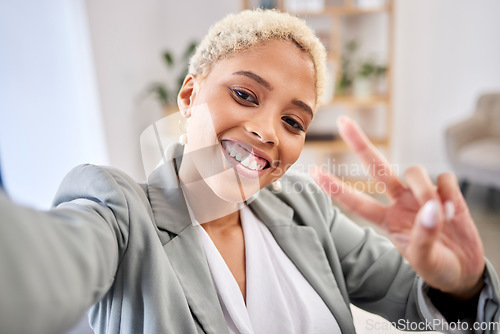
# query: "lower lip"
240 169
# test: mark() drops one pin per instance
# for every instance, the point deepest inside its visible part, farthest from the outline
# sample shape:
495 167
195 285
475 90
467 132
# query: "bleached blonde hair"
239 32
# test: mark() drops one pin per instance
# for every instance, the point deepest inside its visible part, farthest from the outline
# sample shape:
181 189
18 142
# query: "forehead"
274 60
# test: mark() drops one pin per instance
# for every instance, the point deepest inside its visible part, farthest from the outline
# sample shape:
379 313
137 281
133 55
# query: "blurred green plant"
347 68
168 95
369 69
350 69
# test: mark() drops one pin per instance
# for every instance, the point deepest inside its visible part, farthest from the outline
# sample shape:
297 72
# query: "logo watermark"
430 325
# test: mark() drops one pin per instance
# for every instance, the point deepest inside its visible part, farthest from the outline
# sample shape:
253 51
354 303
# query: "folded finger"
421 252
449 191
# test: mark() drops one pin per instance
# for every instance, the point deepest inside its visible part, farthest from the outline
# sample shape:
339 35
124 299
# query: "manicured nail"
430 214
449 210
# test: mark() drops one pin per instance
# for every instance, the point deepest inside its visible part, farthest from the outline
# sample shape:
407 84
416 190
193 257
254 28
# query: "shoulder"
108 195
106 186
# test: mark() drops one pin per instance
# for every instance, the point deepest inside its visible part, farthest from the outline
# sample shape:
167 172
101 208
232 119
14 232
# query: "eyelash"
296 124
237 96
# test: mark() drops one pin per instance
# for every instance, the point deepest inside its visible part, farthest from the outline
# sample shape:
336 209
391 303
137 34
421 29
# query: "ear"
187 95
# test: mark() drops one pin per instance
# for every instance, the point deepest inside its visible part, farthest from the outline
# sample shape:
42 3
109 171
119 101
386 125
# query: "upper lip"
252 149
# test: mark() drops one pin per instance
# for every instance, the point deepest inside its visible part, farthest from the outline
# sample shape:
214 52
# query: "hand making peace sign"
429 224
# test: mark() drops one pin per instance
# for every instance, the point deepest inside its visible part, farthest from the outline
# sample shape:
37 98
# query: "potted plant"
368 74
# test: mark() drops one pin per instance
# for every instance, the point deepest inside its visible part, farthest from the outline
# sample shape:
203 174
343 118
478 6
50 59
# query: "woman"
211 245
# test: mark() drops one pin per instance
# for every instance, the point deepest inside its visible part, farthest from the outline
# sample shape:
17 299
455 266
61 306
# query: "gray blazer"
132 252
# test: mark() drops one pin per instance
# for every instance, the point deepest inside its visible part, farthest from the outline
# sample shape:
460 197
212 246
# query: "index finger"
378 167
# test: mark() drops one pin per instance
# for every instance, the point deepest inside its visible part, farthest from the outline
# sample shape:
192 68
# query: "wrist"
469 293
471 290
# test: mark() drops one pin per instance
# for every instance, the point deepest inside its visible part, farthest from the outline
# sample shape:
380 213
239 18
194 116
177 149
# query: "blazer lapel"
302 246
182 245
187 256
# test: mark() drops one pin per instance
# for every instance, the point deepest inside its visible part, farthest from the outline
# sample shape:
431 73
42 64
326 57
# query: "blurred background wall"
50 116
445 57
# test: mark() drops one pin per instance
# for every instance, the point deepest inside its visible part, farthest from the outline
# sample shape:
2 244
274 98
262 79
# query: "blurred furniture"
473 145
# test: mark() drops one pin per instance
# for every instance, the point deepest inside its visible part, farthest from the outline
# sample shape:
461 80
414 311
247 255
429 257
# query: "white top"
279 298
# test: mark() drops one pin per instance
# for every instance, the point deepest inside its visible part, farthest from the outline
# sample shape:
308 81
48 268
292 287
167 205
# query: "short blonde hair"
239 32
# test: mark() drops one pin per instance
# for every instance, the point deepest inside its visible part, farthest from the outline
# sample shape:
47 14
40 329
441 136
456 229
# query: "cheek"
201 131
225 117
290 151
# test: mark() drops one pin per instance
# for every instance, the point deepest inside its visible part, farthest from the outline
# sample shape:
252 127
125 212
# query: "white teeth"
232 152
253 165
246 162
244 159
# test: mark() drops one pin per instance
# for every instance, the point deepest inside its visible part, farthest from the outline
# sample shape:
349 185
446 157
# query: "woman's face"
249 117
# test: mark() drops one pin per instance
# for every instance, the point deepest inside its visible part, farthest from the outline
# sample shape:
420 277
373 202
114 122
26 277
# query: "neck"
223 224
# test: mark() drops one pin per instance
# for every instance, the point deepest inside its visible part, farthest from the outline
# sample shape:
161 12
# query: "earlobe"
186 95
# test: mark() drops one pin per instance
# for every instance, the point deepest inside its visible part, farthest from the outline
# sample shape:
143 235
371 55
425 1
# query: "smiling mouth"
244 157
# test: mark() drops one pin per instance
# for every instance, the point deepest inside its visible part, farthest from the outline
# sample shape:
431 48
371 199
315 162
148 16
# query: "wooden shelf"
343 11
356 102
338 145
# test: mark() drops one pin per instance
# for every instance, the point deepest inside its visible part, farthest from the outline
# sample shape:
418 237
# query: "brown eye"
293 123
244 97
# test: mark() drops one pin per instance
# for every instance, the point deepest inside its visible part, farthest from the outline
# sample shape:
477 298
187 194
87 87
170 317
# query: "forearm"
53 265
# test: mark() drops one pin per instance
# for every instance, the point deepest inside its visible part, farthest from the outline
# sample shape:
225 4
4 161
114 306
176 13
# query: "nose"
264 129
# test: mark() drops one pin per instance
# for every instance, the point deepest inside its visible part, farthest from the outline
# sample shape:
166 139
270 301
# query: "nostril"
265 137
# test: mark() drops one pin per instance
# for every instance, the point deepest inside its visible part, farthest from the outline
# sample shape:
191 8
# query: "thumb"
425 232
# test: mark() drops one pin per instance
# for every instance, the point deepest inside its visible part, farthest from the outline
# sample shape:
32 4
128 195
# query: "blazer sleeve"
55 264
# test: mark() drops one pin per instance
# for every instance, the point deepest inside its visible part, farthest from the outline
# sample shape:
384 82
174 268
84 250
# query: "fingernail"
341 121
430 214
449 210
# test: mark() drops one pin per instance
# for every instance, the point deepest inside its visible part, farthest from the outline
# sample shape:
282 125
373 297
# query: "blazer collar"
185 251
166 197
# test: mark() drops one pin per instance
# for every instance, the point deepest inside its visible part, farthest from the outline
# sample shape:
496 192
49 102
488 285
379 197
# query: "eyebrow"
255 77
304 107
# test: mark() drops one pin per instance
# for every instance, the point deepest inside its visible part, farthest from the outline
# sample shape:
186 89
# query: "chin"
233 188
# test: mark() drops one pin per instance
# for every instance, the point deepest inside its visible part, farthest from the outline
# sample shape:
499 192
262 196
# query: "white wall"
49 113
447 53
128 39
